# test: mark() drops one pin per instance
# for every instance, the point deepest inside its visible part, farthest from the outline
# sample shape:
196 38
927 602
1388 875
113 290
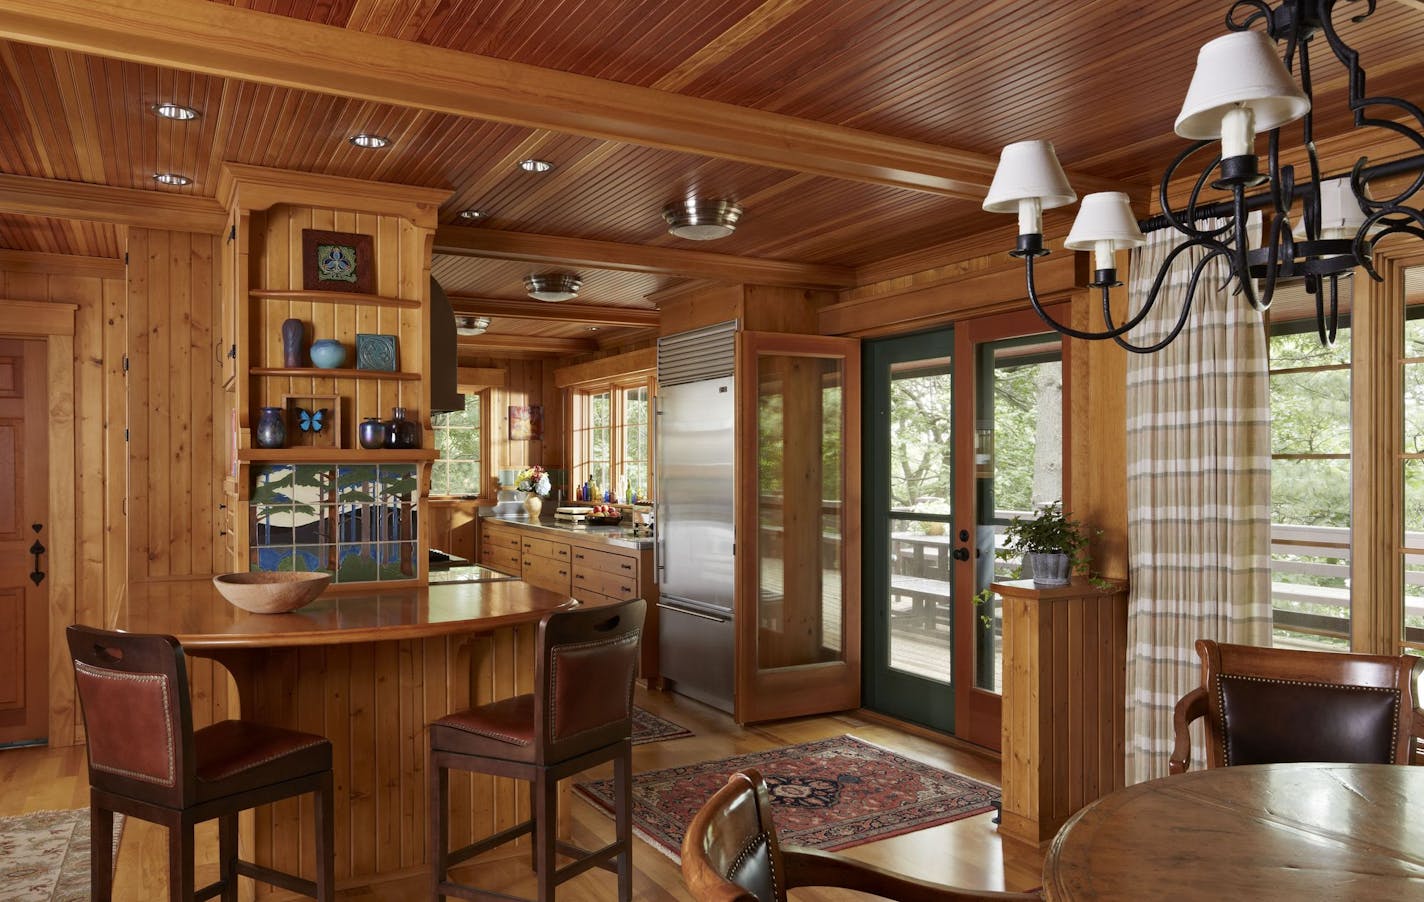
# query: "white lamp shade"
1105 216
1235 70
1028 169
1340 212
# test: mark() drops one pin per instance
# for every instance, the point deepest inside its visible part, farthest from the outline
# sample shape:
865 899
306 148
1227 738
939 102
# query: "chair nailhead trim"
550 708
493 734
1221 703
746 852
103 674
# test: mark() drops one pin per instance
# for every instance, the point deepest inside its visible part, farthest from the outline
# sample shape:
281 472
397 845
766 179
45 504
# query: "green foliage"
1051 531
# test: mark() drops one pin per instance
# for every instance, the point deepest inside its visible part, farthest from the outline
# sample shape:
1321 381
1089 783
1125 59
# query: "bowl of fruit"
605 513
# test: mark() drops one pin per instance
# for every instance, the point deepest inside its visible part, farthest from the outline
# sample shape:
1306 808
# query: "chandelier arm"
1357 173
1071 332
1241 266
1260 10
1188 227
1171 336
1327 335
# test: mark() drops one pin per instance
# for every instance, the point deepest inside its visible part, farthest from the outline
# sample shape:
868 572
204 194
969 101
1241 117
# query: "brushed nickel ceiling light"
466 324
702 219
533 165
170 110
553 286
364 139
171 178
472 215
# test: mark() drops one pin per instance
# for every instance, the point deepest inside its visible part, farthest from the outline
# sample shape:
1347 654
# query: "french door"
963 430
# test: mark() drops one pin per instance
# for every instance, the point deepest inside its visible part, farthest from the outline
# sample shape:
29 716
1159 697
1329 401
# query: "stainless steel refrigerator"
696 473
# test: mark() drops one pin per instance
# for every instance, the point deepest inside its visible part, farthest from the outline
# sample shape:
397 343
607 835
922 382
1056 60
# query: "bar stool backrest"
138 724
583 695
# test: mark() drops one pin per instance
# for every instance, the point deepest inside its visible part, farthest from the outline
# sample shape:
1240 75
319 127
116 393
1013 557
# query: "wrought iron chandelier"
1241 86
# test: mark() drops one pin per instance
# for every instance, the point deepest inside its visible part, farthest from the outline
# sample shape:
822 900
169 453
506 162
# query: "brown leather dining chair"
1276 705
731 854
147 761
579 715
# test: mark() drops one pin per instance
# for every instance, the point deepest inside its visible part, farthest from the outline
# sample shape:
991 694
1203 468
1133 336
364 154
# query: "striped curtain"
1198 491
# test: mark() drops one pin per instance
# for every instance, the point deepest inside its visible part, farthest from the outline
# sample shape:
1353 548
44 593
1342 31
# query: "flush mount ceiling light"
1322 226
370 141
472 215
171 110
702 219
466 324
171 178
533 165
553 286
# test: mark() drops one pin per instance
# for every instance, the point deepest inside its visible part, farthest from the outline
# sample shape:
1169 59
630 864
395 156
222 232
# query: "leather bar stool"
146 761
579 715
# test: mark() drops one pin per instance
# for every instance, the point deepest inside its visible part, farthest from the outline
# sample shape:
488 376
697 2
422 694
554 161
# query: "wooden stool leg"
227 856
180 859
546 819
325 841
101 853
623 819
534 816
437 842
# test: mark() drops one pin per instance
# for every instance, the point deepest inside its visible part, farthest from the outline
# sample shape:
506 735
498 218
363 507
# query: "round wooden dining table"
1262 832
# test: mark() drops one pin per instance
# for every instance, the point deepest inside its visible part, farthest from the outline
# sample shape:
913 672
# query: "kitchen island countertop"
613 534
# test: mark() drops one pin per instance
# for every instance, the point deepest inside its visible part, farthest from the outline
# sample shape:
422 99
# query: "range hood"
445 394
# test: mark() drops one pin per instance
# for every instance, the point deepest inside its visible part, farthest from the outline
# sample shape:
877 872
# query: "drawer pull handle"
626 566
628 589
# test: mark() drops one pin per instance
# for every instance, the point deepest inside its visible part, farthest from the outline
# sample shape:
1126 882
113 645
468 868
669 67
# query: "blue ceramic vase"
271 429
328 353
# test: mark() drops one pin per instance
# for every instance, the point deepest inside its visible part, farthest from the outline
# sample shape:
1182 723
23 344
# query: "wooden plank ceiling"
1103 80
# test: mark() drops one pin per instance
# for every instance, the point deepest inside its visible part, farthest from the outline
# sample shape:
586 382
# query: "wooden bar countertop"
202 620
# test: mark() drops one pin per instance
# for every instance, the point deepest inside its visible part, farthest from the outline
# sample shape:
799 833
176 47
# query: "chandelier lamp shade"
1254 79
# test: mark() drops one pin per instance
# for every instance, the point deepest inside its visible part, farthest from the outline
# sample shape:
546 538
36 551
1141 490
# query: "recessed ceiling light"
553 286
466 324
171 178
472 215
702 219
533 165
593 328
372 141
170 110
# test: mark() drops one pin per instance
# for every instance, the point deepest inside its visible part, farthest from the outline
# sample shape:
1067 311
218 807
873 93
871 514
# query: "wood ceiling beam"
463 241
61 264
263 48
561 313
103 203
531 344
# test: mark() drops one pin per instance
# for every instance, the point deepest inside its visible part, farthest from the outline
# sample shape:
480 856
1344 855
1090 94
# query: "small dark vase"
400 432
292 355
372 433
271 428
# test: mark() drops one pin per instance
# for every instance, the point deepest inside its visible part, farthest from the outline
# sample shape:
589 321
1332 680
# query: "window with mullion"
457 440
612 436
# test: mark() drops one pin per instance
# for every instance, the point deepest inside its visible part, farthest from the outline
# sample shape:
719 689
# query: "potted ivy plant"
1052 544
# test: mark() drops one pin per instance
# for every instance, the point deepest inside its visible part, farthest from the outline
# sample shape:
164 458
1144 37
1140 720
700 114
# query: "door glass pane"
800 436
1018 467
920 445
1411 472
919 591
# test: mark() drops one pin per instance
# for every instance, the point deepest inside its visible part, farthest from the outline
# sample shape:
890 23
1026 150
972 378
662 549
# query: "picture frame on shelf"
376 352
338 261
526 423
313 421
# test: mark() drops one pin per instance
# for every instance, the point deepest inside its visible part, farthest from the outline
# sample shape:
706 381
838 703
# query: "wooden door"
797 607
24 595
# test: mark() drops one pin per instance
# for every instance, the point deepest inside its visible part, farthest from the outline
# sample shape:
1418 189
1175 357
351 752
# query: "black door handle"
961 554
37 549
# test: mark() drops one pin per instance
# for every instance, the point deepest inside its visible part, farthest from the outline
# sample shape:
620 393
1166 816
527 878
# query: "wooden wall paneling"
61 531
179 451
702 306
360 752
1097 414
339 718
137 393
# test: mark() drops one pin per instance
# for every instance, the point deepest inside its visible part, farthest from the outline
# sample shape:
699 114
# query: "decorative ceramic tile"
272 484
356 563
312 484
357 483
376 352
397 560
316 558
399 480
272 558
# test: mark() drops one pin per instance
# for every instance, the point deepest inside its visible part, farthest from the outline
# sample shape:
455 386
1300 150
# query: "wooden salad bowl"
268 592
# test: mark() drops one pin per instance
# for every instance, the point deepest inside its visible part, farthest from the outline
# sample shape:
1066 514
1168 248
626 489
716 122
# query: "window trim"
484 478
615 386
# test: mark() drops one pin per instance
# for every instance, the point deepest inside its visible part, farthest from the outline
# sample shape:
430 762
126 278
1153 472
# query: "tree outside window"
611 438
457 439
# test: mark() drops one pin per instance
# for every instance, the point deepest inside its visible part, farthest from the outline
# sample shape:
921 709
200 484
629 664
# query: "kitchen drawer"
500 538
503 559
544 548
607 561
614 585
547 573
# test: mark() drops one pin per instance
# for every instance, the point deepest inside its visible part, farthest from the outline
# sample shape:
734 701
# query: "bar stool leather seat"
579 715
235 756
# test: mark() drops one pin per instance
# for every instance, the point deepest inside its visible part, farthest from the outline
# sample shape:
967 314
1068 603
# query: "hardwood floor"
968 852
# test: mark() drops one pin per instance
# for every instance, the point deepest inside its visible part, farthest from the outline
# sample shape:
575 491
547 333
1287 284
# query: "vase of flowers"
534 481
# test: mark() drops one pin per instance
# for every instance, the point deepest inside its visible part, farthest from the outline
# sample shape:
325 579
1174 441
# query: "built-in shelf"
316 372
334 455
336 297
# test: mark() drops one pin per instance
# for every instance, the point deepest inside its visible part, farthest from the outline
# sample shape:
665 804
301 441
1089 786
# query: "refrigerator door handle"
668 607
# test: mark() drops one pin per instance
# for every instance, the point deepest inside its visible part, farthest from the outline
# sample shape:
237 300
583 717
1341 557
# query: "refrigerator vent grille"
706 353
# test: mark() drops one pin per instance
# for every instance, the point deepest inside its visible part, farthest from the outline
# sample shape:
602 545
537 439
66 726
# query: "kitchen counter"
618 534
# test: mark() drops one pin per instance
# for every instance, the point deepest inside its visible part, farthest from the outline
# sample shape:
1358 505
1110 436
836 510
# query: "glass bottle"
400 432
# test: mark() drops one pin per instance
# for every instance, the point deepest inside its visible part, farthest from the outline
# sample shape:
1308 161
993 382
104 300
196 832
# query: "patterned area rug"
44 856
648 727
831 794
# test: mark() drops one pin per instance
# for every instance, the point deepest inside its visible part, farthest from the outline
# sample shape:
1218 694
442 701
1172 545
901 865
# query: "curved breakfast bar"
368 669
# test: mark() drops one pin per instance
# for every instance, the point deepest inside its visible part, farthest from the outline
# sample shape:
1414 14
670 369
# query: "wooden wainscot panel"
1065 665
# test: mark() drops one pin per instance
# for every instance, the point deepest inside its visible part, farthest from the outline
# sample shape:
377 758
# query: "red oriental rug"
648 727
831 794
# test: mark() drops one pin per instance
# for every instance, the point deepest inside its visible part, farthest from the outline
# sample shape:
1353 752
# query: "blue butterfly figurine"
312 420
